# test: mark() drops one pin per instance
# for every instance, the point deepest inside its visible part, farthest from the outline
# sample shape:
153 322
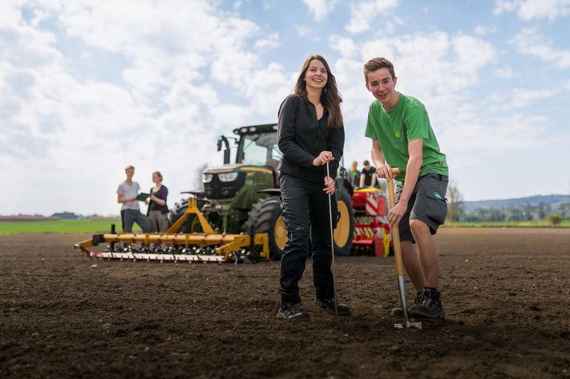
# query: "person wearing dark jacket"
157 212
311 134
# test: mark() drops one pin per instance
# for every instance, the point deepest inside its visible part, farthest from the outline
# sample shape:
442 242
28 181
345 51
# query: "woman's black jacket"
302 137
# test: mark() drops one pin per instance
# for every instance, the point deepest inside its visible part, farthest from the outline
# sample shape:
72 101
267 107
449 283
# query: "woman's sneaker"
291 312
328 306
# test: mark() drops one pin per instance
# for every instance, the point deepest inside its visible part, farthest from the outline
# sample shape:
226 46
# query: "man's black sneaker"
399 312
291 312
328 306
430 308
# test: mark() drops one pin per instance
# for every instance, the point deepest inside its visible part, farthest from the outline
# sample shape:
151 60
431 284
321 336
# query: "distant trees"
458 210
555 219
526 212
564 210
454 202
65 216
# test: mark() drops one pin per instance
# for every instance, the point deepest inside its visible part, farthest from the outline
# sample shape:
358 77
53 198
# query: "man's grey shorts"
427 204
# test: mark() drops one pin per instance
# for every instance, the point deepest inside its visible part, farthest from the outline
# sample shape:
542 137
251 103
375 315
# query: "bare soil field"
62 315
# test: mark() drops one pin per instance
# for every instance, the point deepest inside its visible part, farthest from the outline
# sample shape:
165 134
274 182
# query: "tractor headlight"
207 178
228 177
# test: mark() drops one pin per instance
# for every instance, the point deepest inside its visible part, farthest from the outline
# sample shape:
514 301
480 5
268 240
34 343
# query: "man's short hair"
129 167
376 64
366 163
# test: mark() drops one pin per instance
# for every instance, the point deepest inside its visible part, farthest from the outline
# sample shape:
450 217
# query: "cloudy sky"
89 86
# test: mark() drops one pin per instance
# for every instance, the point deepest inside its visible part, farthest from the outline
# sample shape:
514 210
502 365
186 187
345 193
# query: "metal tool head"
408 324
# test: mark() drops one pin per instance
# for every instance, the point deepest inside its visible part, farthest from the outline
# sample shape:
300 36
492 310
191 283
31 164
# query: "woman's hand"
323 158
330 187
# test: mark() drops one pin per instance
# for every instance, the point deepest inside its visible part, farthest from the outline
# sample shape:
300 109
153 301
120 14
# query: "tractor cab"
255 166
257 145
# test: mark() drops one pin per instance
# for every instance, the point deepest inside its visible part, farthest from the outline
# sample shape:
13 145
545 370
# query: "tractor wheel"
344 230
266 217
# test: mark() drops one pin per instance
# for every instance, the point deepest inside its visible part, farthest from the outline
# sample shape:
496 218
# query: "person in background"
130 211
157 209
367 177
354 175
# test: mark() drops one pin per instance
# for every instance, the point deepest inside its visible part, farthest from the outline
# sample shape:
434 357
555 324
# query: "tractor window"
261 149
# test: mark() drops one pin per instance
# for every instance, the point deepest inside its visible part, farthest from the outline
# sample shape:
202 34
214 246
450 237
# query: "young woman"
157 208
311 134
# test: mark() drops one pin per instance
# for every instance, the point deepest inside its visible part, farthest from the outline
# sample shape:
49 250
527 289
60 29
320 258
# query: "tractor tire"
266 217
344 231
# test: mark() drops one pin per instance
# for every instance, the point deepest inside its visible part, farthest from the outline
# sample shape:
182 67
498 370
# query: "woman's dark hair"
330 97
157 173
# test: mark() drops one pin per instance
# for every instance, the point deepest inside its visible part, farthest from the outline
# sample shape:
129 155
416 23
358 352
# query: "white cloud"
161 108
308 33
270 42
320 8
364 12
343 45
534 9
302 30
504 6
482 30
532 42
504 72
523 97
520 98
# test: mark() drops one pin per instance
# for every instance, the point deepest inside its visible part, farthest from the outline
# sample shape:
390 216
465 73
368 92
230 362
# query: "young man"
403 138
367 177
130 211
354 175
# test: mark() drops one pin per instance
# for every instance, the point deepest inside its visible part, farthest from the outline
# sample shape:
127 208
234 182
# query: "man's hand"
329 185
323 158
384 171
397 212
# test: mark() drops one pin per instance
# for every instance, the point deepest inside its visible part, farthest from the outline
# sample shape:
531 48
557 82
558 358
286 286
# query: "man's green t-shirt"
407 121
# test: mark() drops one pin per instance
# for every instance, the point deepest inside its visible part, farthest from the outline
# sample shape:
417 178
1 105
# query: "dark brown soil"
62 315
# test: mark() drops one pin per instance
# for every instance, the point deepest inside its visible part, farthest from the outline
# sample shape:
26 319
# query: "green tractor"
244 196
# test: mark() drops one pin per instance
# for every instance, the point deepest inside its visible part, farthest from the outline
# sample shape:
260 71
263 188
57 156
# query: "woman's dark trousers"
306 214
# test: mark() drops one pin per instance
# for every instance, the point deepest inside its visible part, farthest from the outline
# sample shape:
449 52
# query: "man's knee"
419 227
408 247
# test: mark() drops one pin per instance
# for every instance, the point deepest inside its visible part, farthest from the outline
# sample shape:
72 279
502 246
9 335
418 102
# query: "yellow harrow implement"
172 246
